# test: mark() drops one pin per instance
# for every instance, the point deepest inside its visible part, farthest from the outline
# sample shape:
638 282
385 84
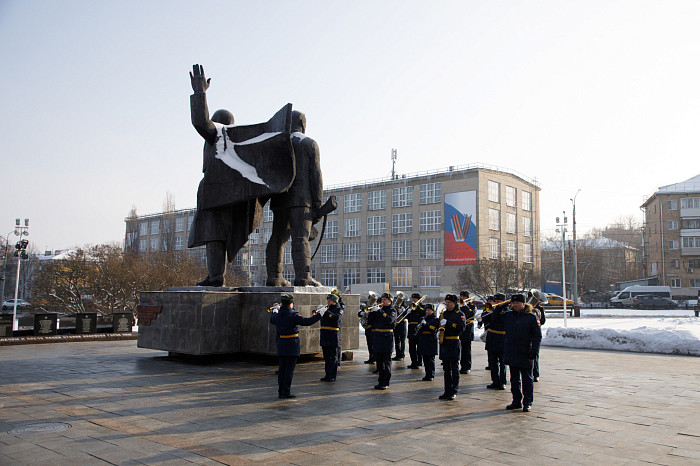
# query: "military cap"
517 298
333 297
452 297
415 295
464 293
387 296
499 297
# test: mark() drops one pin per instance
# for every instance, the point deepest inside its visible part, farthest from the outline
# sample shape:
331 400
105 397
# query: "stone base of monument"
203 321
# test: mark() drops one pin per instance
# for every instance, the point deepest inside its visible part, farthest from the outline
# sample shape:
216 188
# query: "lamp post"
4 265
562 227
575 284
20 253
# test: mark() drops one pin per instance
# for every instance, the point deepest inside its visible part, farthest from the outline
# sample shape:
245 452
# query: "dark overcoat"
288 321
456 323
331 323
427 336
383 323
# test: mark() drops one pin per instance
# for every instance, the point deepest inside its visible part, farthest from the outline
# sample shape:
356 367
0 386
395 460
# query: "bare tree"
489 276
167 223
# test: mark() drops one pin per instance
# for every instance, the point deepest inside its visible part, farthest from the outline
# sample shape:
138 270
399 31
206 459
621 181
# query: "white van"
625 297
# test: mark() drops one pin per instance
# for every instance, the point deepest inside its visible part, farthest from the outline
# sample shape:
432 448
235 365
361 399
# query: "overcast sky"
601 96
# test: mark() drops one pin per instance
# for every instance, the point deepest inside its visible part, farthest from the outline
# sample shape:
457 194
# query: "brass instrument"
320 307
441 330
412 306
398 304
275 306
462 302
538 297
371 306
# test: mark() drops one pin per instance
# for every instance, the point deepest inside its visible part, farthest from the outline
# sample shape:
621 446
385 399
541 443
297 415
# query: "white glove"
275 310
322 311
443 322
423 322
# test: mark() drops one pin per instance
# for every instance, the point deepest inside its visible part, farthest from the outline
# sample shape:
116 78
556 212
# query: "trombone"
413 307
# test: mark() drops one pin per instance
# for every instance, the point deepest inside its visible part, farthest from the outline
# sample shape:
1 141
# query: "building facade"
672 237
413 231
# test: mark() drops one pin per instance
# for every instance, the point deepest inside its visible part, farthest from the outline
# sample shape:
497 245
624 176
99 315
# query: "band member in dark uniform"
383 324
427 330
465 339
368 332
495 345
414 317
341 305
331 320
453 323
400 331
522 345
541 318
288 349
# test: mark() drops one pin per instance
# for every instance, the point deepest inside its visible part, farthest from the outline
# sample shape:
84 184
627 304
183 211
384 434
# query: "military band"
512 330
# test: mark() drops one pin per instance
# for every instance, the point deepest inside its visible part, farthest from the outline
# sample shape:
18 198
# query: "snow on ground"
668 332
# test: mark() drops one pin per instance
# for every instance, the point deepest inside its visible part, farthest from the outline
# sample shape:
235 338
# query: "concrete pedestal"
203 320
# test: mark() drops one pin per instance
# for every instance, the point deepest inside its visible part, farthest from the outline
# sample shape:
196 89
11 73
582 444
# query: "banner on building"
460 228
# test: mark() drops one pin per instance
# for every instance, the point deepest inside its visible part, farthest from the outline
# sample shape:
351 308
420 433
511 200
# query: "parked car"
648 301
9 304
554 300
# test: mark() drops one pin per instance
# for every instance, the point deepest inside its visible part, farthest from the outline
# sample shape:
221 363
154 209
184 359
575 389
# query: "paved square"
127 405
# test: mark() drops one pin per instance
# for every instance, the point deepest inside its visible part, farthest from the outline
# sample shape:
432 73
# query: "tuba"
372 299
398 304
538 297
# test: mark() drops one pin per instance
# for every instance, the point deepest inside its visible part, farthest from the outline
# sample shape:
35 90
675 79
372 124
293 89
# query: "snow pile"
668 336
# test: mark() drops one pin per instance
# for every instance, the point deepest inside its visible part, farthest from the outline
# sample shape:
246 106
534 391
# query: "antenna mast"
393 164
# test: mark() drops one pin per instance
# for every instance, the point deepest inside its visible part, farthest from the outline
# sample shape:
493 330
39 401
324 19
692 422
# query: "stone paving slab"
127 405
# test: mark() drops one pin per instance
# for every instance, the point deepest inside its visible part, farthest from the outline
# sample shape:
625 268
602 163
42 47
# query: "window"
353 202
143 229
178 243
352 227
402 223
376 275
329 253
350 277
494 191
690 223
694 263
527 253
267 213
691 241
690 203
430 193
675 283
238 260
254 237
351 252
694 283
267 232
672 225
494 248
180 224
430 276
527 226
511 196
403 197
401 276
511 223
376 251
401 250
672 205
376 200
675 263
331 229
154 244
288 274
494 219
143 245
329 277
287 257
526 200
254 257
376 225
430 220
429 248
511 250
155 227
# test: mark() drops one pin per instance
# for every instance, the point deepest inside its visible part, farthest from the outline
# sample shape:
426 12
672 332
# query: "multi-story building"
672 237
413 231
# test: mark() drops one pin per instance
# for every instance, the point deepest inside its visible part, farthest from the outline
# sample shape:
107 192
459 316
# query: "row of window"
686 224
511 222
428 248
430 193
692 264
154 226
511 252
686 242
686 203
428 276
494 194
678 283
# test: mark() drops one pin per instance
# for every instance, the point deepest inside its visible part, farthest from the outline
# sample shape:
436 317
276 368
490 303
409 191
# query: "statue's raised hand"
199 82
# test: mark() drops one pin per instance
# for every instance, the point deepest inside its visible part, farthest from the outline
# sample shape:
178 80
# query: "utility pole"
20 253
575 285
562 227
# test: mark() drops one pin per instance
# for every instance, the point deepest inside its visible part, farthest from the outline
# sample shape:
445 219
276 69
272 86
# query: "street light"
562 227
20 253
575 285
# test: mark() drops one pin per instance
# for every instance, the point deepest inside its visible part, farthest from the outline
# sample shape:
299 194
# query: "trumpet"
275 306
462 302
413 307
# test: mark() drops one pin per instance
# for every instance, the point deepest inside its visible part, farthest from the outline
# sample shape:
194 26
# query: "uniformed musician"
288 348
495 345
465 339
418 312
383 323
453 322
331 322
428 341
